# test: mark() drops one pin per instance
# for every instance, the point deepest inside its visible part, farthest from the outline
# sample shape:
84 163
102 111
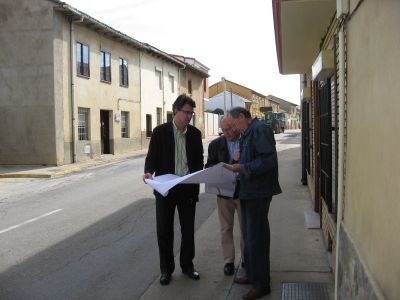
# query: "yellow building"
258 101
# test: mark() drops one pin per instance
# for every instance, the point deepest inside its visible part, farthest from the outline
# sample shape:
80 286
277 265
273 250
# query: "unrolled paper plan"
218 180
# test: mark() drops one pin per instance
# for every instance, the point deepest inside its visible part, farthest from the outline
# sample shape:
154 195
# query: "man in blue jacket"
258 173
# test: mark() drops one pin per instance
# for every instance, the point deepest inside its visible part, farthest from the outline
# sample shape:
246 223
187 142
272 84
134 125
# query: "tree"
218 111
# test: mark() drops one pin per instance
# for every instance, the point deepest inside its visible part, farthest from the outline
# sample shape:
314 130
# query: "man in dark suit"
176 148
258 170
223 149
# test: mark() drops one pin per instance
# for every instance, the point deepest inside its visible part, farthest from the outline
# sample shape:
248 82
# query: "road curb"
85 165
71 170
25 175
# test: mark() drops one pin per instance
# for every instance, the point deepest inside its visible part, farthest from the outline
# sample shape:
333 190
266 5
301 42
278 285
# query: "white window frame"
83 124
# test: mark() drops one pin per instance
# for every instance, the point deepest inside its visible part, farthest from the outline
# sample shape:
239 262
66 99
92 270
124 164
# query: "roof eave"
76 14
299 28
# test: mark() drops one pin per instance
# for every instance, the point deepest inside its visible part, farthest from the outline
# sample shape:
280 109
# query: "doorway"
105 131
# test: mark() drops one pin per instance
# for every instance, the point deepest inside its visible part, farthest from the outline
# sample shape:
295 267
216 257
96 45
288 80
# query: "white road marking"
30 221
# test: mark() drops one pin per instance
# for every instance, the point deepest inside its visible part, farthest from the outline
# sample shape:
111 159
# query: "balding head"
230 132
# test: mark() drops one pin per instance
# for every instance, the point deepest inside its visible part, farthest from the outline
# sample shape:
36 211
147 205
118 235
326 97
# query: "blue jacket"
259 162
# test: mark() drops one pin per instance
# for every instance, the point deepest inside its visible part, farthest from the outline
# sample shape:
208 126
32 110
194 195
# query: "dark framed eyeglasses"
188 112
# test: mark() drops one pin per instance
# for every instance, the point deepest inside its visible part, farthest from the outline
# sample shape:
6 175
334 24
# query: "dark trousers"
165 212
256 235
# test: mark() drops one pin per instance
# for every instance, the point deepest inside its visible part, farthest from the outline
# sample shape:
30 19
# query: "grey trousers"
226 213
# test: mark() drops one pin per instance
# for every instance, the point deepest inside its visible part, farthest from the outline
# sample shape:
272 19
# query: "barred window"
124 124
83 124
82 59
123 72
105 66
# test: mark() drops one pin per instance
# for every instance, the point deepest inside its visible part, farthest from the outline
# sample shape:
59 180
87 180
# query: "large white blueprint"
218 180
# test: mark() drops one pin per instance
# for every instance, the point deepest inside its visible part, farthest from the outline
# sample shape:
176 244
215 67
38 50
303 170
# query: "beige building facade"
73 88
349 149
62 94
31 101
110 108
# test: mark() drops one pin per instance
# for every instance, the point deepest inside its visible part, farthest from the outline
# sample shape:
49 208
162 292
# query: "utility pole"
231 100
224 83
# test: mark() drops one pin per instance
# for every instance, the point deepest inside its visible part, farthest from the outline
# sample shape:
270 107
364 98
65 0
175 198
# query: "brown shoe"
255 294
241 280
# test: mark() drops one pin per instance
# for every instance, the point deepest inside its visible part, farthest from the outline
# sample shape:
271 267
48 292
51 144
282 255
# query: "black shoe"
192 274
229 269
165 278
256 293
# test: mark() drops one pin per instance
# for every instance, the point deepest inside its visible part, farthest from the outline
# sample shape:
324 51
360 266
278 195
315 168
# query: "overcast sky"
234 38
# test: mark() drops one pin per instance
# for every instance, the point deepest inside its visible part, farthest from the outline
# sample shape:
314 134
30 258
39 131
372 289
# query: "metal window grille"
326 144
306 135
83 124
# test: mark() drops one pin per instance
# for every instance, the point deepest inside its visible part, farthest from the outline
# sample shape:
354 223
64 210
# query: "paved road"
89 235
85 236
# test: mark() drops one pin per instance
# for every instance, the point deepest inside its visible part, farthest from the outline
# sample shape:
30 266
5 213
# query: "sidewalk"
31 171
37 171
298 256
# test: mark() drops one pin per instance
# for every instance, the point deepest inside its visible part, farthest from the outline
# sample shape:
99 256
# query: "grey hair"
236 111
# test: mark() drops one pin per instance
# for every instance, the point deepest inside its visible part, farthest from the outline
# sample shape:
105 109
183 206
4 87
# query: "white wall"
153 97
231 100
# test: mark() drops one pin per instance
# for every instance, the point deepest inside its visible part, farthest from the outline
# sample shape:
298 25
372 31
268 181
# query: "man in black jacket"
176 148
223 149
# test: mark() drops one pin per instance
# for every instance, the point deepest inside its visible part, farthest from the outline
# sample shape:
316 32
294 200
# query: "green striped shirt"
181 165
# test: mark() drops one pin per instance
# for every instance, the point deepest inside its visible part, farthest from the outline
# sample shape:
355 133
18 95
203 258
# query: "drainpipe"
140 97
224 84
341 152
71 74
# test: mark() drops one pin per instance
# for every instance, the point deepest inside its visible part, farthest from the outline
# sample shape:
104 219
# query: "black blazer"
217 152
160 157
